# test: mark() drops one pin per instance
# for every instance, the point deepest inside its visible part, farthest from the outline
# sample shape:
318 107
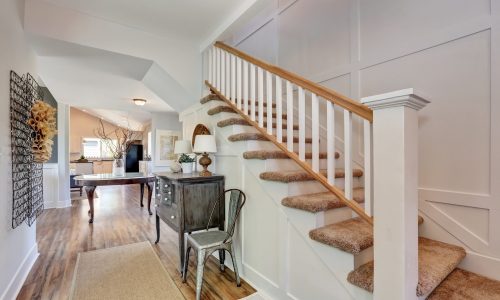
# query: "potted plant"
82 159
186 162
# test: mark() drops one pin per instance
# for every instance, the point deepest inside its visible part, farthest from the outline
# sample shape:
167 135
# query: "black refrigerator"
134 155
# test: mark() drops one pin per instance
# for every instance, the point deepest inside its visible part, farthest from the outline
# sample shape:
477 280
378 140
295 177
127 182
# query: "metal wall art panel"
27 176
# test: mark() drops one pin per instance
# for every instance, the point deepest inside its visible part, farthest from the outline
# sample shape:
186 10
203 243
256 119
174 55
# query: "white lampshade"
205 143
182 146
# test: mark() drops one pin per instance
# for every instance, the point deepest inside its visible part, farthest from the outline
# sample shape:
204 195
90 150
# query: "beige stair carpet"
462 285
352 235
210 97
232 121
278 154
293 176
436 260
259 137
320 201
126 272
220 109
240 121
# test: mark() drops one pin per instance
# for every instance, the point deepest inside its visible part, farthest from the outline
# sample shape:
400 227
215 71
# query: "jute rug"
127 272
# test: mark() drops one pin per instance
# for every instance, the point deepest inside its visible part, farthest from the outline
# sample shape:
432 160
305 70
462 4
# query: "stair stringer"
338 262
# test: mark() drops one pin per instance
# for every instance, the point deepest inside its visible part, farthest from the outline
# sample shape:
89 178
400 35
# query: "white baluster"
233 79
245 86
218 84
315 132
330 141
238 82
228 75
214 69
368 172
302 124
279 110
348 153
223 73
252 92
260 99
269 94
210 66
289 115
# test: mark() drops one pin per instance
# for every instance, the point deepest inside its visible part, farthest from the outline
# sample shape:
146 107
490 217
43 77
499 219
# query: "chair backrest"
236 201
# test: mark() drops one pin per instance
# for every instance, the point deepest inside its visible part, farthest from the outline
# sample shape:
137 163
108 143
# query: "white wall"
18 249
446 49
162 121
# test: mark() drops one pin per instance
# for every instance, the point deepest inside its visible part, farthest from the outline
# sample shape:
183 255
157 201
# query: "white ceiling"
125 119
100 81
195 19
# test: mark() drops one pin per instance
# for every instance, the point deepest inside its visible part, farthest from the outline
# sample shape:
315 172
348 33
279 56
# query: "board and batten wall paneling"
447 50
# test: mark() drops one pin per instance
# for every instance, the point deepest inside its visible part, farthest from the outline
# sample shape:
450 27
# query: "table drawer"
169 214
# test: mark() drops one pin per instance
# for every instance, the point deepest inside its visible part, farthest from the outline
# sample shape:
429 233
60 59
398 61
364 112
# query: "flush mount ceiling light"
139 102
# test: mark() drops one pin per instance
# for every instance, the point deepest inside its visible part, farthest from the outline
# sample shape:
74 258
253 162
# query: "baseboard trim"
481 264
63 204
21 274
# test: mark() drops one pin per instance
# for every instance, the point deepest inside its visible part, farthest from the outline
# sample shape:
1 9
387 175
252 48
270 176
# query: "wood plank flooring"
119 220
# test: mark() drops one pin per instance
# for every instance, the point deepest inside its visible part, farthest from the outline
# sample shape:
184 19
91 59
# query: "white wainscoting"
51 185
449 52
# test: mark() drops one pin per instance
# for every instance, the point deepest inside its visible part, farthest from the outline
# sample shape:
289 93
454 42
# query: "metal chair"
207 242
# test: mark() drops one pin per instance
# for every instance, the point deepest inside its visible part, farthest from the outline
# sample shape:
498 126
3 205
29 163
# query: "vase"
119 167
187 168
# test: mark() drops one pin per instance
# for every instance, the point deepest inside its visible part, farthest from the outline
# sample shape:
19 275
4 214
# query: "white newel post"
395 209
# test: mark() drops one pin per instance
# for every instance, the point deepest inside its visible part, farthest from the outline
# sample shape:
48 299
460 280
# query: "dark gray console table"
184 202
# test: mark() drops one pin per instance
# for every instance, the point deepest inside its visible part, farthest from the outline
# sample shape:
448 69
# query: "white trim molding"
21 274
406 97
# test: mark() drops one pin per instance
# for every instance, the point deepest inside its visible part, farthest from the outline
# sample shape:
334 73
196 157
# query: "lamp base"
205 161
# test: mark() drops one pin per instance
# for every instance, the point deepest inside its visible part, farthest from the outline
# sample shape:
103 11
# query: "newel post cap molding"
406 97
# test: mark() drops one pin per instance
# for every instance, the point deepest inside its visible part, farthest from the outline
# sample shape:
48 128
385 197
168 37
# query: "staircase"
319 182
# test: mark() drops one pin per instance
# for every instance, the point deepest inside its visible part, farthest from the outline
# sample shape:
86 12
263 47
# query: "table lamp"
182 146
205 144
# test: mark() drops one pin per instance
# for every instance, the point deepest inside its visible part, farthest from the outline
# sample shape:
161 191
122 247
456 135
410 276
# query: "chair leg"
199 273
186 263
235 265
222 258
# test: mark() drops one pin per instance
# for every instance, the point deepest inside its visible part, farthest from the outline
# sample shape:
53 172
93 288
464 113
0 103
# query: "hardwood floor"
119 220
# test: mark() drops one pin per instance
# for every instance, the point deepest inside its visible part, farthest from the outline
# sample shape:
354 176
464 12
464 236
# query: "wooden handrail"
320 178
359 109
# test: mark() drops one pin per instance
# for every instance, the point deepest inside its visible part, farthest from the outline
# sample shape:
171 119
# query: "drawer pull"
166 185
169 192
166 199
172 217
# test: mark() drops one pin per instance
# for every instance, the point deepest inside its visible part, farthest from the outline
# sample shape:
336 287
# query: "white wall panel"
261 232
262 43
454 128
398 24
314 35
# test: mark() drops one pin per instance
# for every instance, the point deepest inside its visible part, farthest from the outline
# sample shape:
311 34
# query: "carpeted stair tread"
295 176
229 109
240 121
219 109
436 260
318 202
232 121
210 97
278 154
461 284
251 136
352 235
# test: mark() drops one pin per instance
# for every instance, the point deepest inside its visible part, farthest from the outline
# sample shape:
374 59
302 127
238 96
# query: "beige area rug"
126 272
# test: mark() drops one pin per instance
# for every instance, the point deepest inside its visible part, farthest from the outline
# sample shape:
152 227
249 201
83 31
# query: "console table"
184 202
91 181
